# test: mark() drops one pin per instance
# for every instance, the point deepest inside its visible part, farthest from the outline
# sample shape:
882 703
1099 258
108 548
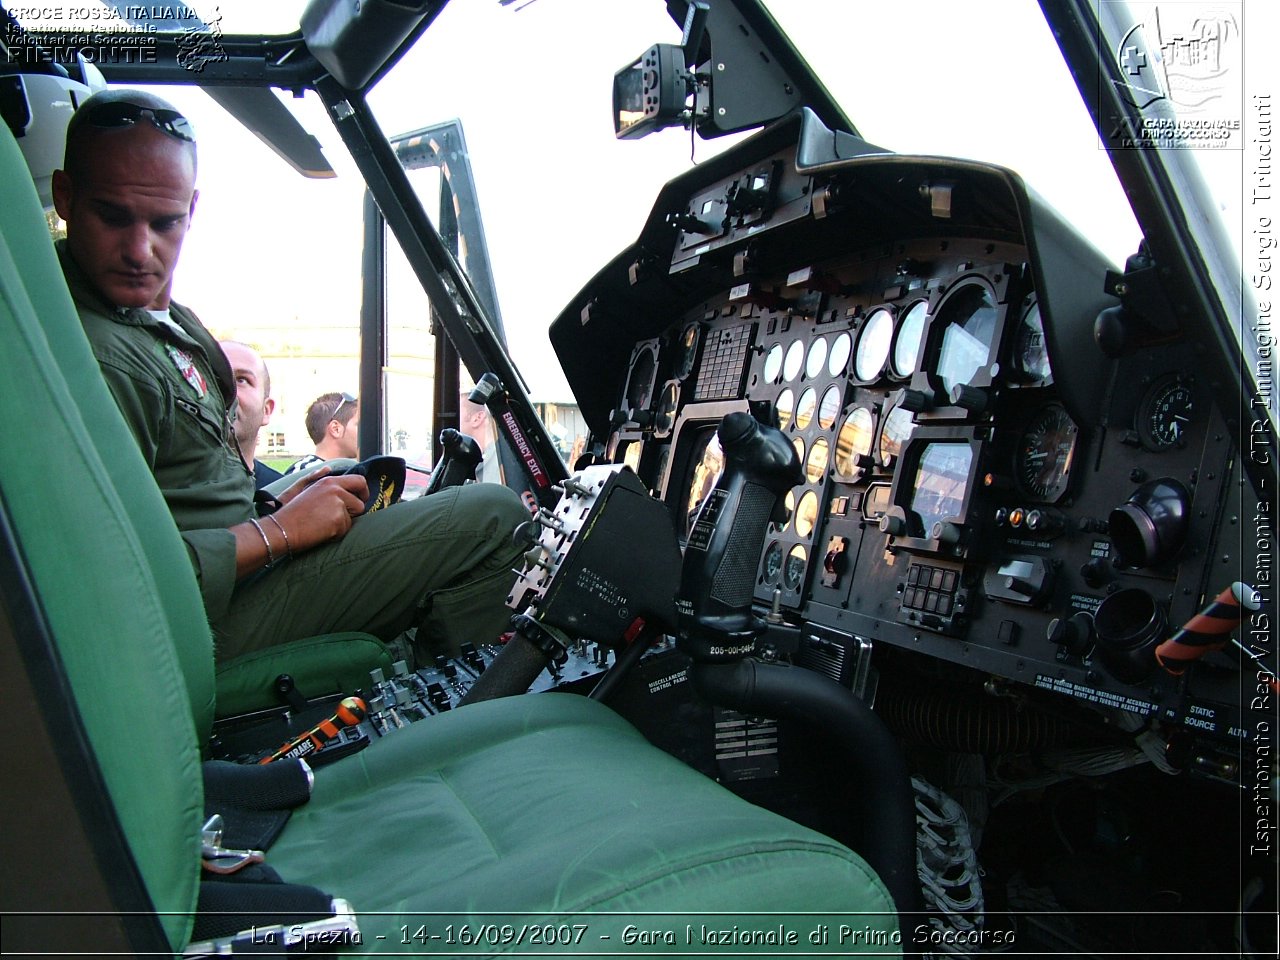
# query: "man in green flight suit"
441 563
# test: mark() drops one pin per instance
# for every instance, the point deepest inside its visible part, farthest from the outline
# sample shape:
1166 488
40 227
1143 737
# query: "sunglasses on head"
125 114
346 398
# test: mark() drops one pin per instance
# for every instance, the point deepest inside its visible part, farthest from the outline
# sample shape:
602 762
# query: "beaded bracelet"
288 550
271 557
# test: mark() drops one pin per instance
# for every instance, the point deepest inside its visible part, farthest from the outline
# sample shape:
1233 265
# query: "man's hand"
319 509
322 510
298 486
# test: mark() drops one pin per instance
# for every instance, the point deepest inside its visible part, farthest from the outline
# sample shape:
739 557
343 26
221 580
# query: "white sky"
560 196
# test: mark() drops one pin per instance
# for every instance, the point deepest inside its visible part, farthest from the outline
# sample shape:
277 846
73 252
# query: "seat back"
99 560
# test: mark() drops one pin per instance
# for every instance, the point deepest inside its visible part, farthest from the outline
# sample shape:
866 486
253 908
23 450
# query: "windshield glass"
559 196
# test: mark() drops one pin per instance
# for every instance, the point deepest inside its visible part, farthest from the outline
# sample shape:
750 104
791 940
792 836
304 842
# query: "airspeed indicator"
1043 460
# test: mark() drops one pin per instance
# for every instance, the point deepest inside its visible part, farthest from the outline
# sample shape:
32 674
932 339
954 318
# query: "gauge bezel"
1064 489
1019 374
638 393
891 367
886 413
856 473
996 281
902 495
864 324
1147 408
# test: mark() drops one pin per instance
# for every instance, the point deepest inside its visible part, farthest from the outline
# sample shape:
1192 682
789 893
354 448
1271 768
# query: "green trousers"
441 564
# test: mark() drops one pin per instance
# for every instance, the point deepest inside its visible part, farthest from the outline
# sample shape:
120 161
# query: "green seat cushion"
553 804
330 663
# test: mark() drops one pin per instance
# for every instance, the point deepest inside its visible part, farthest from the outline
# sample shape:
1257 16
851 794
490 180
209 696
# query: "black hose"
884 803
512 672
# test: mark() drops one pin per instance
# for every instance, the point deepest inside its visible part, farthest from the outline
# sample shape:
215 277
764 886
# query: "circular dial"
815 467
873 346
893 432
793 569
794 361
969 318
785 406
829 408
807 514
772 364
817 358
686 350
773 563
640 383
1045 451
857 433
806 408
906 345
1165 414
1030 353
838 358
665 417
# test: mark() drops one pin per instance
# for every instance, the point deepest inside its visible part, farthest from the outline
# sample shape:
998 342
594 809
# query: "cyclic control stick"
718 631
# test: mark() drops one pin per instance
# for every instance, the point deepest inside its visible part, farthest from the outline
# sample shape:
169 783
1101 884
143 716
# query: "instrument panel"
977 473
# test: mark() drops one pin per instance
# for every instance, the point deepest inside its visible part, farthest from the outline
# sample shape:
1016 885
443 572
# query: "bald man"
254 405
442 564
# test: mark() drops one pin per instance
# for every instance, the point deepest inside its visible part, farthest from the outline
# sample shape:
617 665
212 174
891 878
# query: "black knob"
917 401
970 398
1074 633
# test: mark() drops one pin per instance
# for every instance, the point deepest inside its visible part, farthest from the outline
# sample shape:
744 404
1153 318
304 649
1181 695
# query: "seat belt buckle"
215 858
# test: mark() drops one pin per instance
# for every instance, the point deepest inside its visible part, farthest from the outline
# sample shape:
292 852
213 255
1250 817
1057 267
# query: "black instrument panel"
977 473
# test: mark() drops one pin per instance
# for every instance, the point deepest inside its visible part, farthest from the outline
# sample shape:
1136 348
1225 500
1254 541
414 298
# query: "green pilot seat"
548 805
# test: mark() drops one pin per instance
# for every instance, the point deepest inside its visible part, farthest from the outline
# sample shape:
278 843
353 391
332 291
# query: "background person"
333 423
254 405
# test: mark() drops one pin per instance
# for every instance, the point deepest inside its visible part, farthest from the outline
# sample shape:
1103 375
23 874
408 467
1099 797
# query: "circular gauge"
893 433
817 358
788 507
773 563
857 433
815 468
1030 352
710 461
807 514
969 317
793 568
794 361
686 350
1042 463
772 364
1165 413
838 358
829 408
665 417
785 406
632 456
640 382
906 344
798 443
873 346
806 408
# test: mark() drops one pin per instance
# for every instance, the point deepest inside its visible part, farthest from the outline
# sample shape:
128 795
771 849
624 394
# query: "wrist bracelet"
271 557
288 550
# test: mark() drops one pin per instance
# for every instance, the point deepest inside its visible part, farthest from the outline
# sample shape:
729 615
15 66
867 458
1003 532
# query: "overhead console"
982 484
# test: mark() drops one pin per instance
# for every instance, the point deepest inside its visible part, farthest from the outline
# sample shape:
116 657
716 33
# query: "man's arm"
318 509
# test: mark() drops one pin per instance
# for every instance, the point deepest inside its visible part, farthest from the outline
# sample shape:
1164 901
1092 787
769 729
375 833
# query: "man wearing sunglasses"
333 423
315 565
